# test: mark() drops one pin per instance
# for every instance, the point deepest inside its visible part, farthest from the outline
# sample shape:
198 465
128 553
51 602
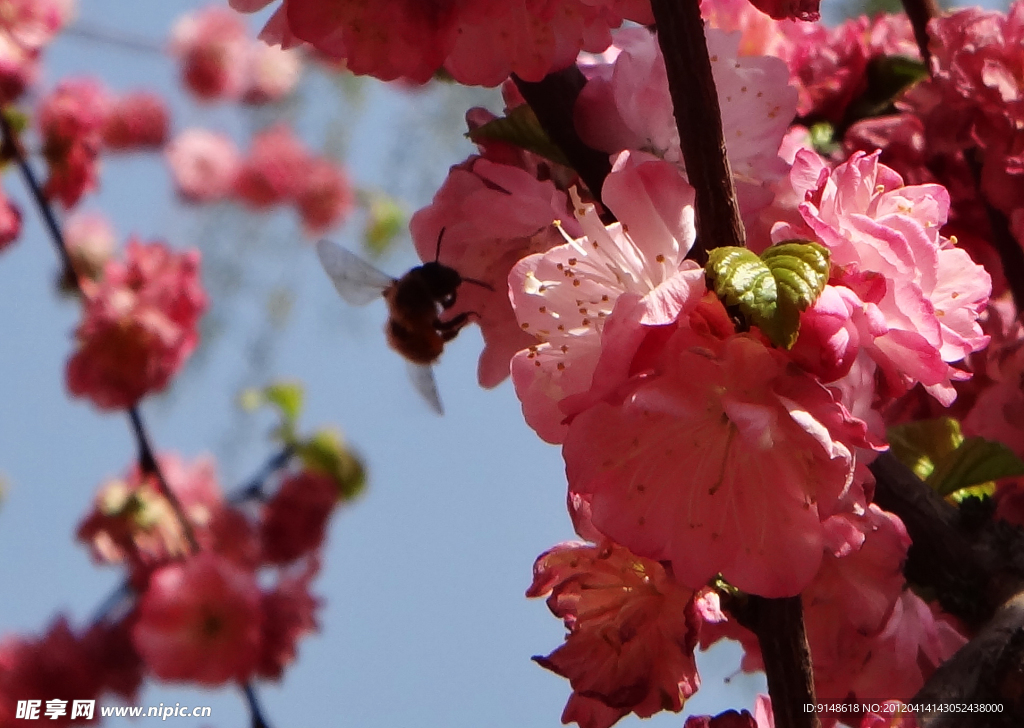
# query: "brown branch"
987 671
699 120
553 99
941 557
920 12
779 626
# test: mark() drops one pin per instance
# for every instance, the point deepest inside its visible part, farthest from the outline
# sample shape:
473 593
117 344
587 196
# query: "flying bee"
415 303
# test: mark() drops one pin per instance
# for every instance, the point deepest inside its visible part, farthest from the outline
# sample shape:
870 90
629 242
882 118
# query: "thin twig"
149 466
253 489
113 37
12 149
258 721
699 120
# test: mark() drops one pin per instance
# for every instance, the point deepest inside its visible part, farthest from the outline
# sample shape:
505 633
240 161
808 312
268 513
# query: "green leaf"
287 397
823 138
985 490
886 78
953 465
326 452
920 445
976 462
520 129
773 289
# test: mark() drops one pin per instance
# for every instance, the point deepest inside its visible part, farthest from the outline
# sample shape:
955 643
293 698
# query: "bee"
415 303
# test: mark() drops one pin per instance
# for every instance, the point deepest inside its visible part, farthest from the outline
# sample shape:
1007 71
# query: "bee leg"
450 329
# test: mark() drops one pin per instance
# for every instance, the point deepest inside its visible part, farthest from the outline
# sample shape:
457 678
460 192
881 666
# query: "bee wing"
358 282
422 376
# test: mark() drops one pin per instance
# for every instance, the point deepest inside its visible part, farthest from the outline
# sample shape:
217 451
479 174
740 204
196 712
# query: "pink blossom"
10 221
203 164
70 121
137 120
632 630
139 326
492 216
578 297
76 666
325 197
693 463
90 241
133 523
275 169
290 614
295 519
273 74
200 620
886 247
212 45
478 43
627 106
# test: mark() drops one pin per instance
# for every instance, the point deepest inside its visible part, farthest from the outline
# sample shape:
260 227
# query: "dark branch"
258 721
12 150
779 626
988 670
941 557
553 99
699 120
149 466
920 12
253 490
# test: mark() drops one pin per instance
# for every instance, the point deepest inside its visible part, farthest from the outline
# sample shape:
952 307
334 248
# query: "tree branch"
779 626
553 99
699 120
920 12
941 556
988 670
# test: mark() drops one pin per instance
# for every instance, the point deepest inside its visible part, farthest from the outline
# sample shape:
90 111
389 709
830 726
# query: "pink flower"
139 326
295 519
75 666
492 215
137 120
10 221
626 105
275 170
203 164
696 463
273 73
133 523
324 198
886 247
70 121
632 631
290 614
212 45
90 241
603 287
200 620
478 43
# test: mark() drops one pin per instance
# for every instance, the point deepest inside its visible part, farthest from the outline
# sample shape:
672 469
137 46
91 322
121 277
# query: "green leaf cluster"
954 465
772 289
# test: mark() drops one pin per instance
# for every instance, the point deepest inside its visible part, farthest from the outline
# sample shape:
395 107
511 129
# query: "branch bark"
779 626
699 120
553 100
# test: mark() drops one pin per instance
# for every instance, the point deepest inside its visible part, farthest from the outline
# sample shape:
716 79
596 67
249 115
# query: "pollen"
561 366
583 311
543 309
586 322
575 281
524 326
660 258
573 261
565 349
